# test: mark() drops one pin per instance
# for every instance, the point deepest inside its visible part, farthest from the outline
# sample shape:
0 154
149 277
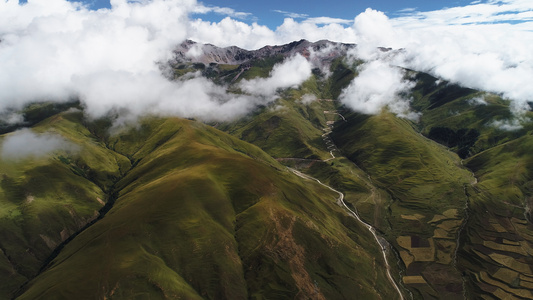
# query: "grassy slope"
202 214
415 196
291 131
499 240
424 181
465 126
421 178
45 200
283 130
290 128
497 249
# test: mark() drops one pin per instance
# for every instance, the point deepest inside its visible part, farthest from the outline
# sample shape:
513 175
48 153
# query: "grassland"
201 214
198 212
44 200
424 181
499 241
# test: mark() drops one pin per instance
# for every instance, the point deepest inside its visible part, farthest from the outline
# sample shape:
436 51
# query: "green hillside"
425 207
171 208
498 246
200 214
46 200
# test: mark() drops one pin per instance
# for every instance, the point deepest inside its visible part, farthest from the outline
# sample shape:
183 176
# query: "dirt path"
382 244
330 146
329 143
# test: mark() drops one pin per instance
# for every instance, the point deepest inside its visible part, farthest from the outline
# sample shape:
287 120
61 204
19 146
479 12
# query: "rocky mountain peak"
193 52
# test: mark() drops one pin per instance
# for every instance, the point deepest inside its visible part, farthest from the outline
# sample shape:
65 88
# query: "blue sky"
272 13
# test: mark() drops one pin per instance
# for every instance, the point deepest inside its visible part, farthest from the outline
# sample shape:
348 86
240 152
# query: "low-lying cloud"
507 125
25 143
56 50
377 86
291 73
477 101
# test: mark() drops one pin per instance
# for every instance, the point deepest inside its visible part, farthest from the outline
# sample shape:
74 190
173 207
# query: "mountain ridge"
212 210
233 55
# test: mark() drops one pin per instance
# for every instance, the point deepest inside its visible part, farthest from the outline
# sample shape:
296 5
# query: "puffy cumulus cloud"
202 99
374 29
292 30
476 57
479 46
56 50
292 72
136 95
25 143
201 9
377 86
46 52
230 32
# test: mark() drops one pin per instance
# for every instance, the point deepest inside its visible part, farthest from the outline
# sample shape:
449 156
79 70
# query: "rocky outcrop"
192 52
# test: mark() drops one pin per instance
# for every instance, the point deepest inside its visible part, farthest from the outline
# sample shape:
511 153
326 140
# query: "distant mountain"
302 198
190 51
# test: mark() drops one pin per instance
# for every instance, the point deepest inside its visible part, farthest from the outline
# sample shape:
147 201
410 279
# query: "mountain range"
302 198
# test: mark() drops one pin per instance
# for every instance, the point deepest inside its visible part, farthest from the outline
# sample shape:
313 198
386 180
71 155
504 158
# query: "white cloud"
407 10
377 86
230 32
327 20
374 29
42 58
25 143
308 99
477 101
476 54
195 51
291 73
107 58
12 118
55 50
201 9
291 14
475 13
507 125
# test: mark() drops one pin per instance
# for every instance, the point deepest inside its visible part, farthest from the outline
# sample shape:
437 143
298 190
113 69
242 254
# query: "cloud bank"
377 86
25 143
293 72
57 50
